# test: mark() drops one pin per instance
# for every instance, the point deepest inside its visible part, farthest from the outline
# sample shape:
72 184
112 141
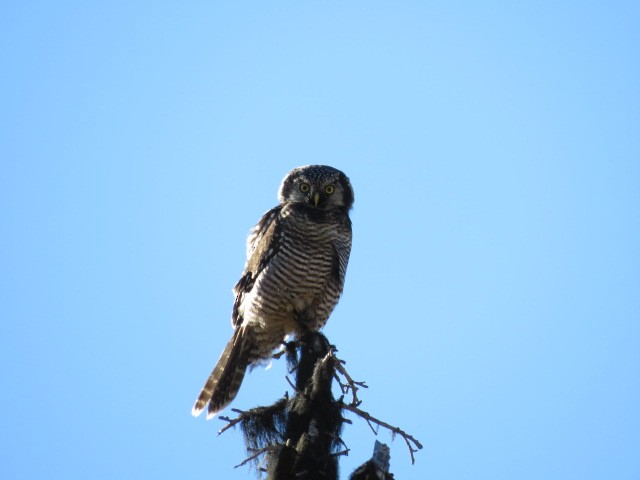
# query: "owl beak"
316 198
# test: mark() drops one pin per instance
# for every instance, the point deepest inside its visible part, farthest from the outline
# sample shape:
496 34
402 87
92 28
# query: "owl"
297 259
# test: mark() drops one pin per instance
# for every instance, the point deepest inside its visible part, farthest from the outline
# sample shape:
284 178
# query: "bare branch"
374 430
409 440
350 384
295 389
340 441
341 453
232 422
346 420
255 454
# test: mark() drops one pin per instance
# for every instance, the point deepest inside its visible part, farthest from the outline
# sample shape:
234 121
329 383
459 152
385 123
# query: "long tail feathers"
224 382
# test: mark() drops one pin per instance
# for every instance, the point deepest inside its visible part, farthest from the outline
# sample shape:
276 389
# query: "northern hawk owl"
297 258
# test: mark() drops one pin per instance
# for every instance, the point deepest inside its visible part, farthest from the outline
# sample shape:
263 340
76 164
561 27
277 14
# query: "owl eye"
329 189
304 187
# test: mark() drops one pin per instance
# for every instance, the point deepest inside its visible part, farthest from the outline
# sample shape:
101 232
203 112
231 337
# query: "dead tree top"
299 436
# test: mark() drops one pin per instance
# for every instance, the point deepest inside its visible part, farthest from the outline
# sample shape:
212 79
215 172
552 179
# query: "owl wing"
341 252
262 245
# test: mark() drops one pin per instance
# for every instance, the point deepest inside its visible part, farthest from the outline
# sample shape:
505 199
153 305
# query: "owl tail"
224 382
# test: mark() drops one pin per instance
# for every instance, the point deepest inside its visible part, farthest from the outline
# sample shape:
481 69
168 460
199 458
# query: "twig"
395 430
375 431
346 420
232 422
295 389
341 453
256 454
351 383
336 437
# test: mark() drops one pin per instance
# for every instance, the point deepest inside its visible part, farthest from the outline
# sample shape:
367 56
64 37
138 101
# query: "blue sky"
492 299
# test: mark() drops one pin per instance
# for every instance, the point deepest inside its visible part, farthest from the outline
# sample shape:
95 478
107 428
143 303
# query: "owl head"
317 186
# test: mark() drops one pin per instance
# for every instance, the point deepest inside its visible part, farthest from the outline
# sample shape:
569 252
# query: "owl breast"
302 283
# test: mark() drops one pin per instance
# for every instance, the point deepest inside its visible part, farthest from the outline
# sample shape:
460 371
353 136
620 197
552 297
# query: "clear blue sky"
492 301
